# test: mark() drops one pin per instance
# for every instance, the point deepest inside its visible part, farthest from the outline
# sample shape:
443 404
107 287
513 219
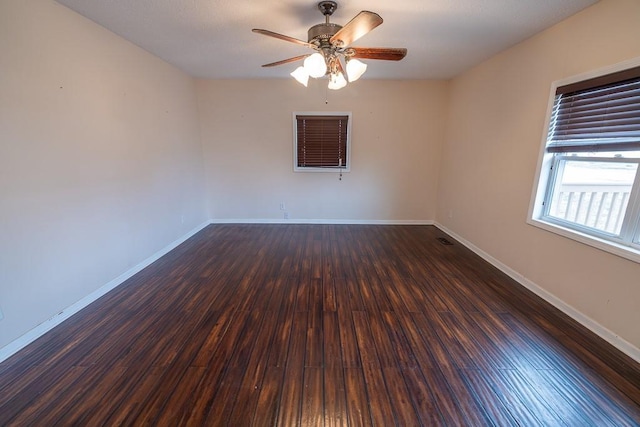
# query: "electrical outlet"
181 219
1 315
282 206
286 215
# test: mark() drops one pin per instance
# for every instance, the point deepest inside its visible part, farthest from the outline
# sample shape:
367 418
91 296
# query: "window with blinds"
600 114
322 141
590 168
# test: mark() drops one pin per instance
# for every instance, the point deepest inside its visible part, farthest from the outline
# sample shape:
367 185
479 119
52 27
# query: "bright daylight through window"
589 187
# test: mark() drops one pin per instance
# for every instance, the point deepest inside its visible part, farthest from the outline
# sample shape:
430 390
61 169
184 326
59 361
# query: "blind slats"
629 87
322 141
622 102
612 114
587 128
586 147
600 118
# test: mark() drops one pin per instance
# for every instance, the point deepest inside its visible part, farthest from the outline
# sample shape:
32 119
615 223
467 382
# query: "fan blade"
286 61
363 22
384 53
282 37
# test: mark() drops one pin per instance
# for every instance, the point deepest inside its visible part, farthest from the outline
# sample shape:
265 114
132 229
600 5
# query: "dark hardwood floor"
319 325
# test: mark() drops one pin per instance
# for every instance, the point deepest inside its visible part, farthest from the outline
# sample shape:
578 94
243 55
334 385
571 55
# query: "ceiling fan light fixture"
355 69
301 75
315 65
337 81
331 43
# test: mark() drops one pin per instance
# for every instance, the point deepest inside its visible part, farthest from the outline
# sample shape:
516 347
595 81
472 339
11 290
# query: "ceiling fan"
331 43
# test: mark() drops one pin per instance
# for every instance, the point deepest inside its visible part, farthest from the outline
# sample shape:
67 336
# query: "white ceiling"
213 38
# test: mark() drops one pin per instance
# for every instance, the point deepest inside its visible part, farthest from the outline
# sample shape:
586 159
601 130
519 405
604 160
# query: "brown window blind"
600 114
321 141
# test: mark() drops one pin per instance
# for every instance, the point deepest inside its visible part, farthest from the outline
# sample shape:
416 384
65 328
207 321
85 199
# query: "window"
589 184
322 141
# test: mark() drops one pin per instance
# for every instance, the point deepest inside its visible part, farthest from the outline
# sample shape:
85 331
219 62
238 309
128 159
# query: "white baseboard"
324 221
604 333
35 333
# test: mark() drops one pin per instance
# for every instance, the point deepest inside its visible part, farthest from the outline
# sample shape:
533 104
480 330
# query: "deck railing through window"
599 206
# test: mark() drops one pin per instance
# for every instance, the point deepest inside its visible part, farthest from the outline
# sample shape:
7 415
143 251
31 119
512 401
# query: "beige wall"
248 140
100 160
495 127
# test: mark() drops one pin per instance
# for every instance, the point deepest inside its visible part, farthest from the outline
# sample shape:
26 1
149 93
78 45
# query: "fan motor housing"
323 32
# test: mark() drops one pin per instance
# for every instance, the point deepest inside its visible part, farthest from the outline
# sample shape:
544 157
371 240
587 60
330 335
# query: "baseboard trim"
324 221
35 333
595 327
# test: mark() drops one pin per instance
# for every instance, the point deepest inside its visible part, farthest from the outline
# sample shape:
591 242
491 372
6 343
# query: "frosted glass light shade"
355 69
315 65
301 75
337 81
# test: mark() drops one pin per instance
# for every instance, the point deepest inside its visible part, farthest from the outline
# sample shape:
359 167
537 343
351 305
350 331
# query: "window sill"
623 251
322 170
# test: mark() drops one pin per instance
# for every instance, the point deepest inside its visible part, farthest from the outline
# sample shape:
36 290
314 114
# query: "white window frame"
628 245
344 168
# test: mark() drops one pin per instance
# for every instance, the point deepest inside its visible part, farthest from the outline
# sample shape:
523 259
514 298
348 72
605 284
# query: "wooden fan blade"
360 25
286 61
282 37
384 53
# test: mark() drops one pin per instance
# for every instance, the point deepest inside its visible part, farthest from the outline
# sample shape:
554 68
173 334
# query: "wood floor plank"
526 403
446 400
358 407
227 389
26 408
380 403
214 336
422 398
468 404
266 413
292 388
348 342
329 294
280 345
314 355
331 348
399 395
482 387
402 349
379 338
312 411
219 362
336 325
419 349
137 397
116 397
177 409
335 404
588 410
381 409
445 327
253 376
